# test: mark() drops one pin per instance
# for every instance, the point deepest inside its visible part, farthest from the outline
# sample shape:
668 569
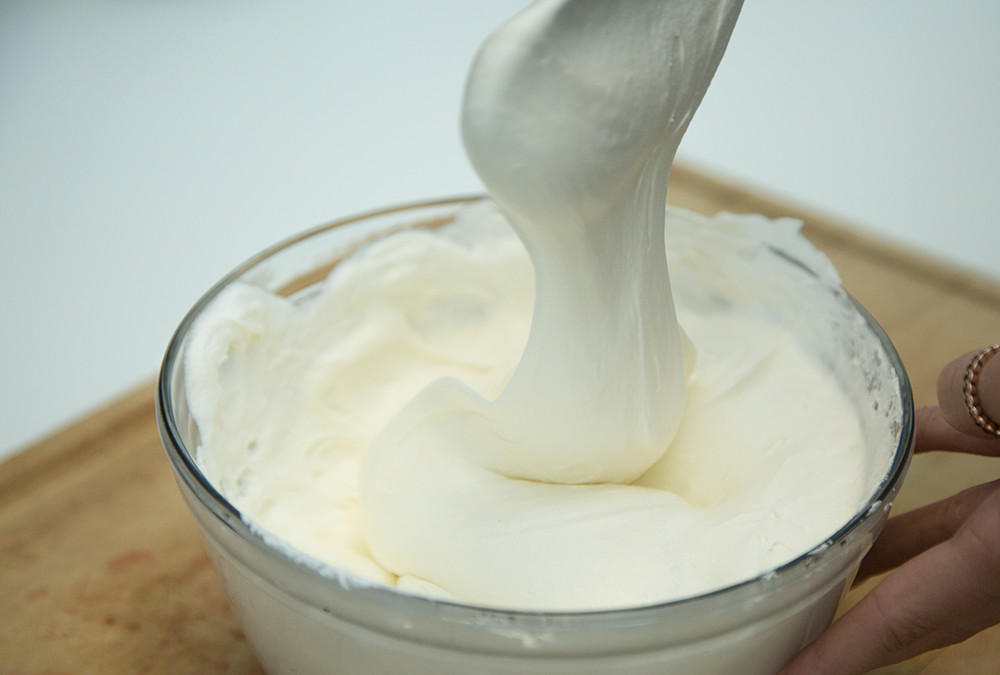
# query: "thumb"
951 390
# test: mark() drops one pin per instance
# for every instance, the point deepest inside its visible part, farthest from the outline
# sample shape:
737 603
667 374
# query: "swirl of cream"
572 115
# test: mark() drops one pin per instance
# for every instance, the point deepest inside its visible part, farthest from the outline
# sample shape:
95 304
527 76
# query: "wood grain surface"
102 570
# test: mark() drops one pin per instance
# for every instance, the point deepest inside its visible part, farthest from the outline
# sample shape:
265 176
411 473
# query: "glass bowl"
303 616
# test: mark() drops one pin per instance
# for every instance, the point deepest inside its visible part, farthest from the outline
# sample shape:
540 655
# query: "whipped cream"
506 411
767 462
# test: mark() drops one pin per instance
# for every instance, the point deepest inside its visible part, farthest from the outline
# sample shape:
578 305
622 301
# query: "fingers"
914 532
934 432
947 585
940 597
951 395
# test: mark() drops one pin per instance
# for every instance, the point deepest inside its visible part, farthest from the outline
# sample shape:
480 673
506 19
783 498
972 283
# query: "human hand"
947 585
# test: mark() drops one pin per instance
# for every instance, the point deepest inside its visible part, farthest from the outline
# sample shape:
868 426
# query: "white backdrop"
147 147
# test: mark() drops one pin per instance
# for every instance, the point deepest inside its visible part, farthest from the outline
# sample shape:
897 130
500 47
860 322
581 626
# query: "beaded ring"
971 391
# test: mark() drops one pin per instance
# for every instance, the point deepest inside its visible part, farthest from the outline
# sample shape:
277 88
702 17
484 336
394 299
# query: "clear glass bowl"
302 616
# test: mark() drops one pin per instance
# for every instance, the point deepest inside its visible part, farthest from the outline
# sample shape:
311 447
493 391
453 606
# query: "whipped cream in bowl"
312 600
563 429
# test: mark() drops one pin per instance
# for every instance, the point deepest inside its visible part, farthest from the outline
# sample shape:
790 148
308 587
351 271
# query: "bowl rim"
185 466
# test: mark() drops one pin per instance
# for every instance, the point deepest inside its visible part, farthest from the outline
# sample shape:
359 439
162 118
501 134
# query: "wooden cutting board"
102 570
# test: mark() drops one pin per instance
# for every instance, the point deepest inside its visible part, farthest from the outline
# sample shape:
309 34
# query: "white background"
148 147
